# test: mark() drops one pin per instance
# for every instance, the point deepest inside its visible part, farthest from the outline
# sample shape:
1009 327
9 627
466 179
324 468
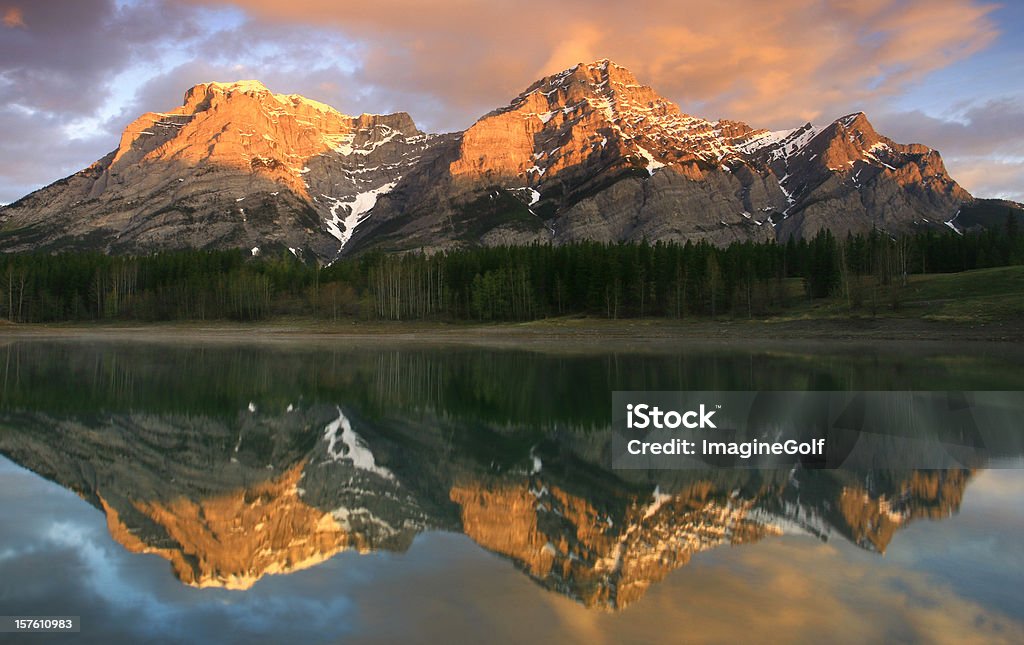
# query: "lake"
334 491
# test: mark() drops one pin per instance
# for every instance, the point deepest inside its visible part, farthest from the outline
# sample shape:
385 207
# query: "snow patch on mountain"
359 208
349 445
652 163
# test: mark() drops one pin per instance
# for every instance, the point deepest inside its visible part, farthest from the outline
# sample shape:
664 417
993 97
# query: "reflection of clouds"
795 590
102 569
10 554
85 570
781 590
446 588
976 551
1001 488
109 576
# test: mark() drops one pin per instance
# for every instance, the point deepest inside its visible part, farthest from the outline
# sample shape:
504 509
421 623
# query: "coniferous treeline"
492 284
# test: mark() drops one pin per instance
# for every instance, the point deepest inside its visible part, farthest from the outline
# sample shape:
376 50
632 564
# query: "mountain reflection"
234 464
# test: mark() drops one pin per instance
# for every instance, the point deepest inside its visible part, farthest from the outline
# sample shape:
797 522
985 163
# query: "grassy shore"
985 306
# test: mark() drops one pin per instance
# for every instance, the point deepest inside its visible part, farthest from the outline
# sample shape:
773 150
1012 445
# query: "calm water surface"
321 494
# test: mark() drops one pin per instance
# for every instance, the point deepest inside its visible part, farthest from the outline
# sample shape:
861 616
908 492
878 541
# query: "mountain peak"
587 153
603 65
852 119
247 86
598 78
199 97
857 122
593 113
851 137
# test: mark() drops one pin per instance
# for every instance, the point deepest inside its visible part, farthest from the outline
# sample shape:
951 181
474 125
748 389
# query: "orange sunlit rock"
235 539
565 543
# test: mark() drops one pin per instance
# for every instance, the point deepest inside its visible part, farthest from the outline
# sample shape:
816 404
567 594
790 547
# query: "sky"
946 73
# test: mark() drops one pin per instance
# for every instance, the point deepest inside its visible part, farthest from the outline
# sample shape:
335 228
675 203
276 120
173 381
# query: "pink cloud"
983 148
985 177
771 64
447 63
14 18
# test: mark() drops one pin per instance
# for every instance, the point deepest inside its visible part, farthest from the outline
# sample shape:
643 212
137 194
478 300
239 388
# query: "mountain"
227 501
234 166
589 153
233 463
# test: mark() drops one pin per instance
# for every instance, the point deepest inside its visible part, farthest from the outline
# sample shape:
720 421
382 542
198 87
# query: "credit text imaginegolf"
784 429
643 416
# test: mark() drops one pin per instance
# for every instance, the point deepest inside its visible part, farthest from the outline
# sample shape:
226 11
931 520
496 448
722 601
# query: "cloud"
781 590
88 67
13 17
982 143
767 63
68 56
990 178
989 128
35 149
59 72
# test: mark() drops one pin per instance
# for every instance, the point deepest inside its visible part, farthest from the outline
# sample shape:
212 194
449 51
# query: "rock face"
235 166
850 178
234 539
568 545
589 153
229 499
230 521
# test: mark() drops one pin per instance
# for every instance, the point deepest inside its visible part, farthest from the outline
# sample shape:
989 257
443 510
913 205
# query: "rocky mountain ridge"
589 153
277 491
234 166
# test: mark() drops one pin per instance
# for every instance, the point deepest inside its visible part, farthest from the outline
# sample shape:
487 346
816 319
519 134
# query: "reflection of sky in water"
939 581
980 554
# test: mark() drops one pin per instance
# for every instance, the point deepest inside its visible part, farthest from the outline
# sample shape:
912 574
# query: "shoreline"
568 334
